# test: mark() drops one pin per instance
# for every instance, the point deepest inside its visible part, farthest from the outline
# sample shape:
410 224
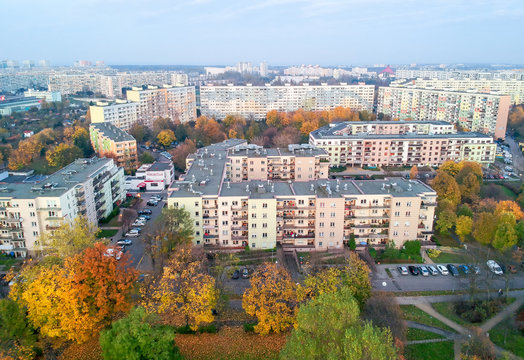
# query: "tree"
184 293
511 207
356 278
464 210
271 299
28 150
329 327
505 234
484 228
450 167
383 311
181 152
352 243
136 337
446 187
288 136
463 226
166 137
70 238
140 132
323 281
446 220
62 155
147 158
519 229
413 173
78 299
82 141
470 187
17 337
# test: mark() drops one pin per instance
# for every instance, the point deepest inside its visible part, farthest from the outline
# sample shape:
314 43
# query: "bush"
433 253
210 329
249 327
352 243
478 311
412 247
111 215
184 330
373 252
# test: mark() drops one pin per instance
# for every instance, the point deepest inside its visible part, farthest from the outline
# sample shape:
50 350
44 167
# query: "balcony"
48 208
207 216
210 236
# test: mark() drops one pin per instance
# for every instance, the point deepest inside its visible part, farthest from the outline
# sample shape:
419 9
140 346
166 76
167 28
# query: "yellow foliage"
511 207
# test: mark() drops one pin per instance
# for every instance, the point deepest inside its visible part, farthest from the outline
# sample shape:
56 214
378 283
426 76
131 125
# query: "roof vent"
228 185
345 186
312 187
247 188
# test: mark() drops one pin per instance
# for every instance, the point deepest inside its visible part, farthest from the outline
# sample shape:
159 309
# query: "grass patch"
434 351
7 262
445 240
413 313
418 334
106 233
337 169
449 310
507 336
497 192
453 257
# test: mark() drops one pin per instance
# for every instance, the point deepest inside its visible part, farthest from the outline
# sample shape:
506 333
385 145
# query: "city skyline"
282 32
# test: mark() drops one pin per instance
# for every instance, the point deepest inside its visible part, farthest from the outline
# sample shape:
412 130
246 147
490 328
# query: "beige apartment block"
401 143
310 214
108 140
121 113
473 111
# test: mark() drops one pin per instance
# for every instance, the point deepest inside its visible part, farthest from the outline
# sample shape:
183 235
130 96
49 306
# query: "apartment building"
32 205
110 141
313 214
401 143
49 96
513 88
17 103
68 84
256 101
473 111
458 74
176 103
121 113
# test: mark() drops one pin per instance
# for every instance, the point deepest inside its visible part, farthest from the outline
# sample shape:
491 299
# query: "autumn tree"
70 238
450 167
286 137
325 280
185 293
446 220
62 155
181 152
463 226
140 132
166 137
511 207
484 228
28 150
505 233
138 336
446 187
329 327
271 298
383 311
17 336
413 173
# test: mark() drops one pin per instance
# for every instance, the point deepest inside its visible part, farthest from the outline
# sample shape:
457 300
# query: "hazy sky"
326 32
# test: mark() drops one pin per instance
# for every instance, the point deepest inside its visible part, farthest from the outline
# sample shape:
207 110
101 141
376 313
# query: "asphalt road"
439 282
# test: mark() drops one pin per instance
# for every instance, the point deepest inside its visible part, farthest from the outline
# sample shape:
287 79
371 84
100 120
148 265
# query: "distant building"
178 79
49 96
108 140
16 104
263 69
122 114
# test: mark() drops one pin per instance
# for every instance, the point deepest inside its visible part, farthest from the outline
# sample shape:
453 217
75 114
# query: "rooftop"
160 166
112 132
299 150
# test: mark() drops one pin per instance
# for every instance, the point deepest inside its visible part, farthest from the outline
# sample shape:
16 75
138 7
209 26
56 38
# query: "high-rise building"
473 111
32 205
110 141
310 213
122 114
256 101
401 143
263 69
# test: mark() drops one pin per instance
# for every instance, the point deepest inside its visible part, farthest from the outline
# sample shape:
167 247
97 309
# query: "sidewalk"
414 300
510 309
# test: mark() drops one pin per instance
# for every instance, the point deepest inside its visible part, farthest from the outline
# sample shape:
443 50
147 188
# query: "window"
321 234
396 223
224 203
35 233
197 203
408 204
264 225
197 233
395 233
407 224
224 212
224 232
264 235
254 206
197 213
320 243
408 213
31 204
333 204
264 215
254 216
333 214
321 224
301 202
253 226
332 233
406 233
397 203
397 213
253 245
264 205
224 222
33 224
321 215
363 201
331 224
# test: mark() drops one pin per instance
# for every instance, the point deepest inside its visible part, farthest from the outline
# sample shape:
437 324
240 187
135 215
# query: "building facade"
176 103
314 214
49 96
485 113
256 101
401 143
30 206
18 103
122 114
110 141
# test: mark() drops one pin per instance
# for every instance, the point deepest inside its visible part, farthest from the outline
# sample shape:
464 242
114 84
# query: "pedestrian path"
429 310
510 309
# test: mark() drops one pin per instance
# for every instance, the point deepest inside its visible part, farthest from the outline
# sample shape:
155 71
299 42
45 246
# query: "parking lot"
382 281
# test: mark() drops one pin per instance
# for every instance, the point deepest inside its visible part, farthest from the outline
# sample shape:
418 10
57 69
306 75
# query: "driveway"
518 157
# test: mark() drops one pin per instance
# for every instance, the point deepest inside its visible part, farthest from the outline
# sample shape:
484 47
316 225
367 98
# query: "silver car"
432 270
442 269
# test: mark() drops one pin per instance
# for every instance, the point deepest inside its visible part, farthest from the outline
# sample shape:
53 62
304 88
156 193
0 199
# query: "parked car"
132 233
124 242
152 203
245 273
423 271
145 212
402 270
464 269
474 269
138 224
236 275
452 269
413 270
145 217
432 270
156 198
494 267
442 269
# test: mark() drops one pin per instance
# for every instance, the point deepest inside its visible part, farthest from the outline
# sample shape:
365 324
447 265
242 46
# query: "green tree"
17 337
464 210
329 327
147 158
352 243
505 234
463 226
137 337
519 229
446 220
412 247
446 187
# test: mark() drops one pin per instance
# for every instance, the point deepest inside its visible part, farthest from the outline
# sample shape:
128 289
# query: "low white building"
157 176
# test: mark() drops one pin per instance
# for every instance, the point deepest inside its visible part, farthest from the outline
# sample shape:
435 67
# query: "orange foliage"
511 207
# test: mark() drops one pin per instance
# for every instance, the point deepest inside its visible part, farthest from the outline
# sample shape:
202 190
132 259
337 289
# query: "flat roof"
111 131
160 166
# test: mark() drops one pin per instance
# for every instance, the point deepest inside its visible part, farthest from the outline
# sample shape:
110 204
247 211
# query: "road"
518 157
439 282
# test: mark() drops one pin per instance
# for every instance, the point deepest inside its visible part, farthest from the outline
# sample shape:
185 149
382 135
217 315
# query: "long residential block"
306 213
32 205
256 101
108 140
473 111
401 143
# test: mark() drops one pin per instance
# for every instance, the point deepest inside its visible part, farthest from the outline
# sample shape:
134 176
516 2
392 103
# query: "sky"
281 32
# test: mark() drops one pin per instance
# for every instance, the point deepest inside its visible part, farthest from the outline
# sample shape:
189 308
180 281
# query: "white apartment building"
473 111
30 206
49 96
256 101
68 84
122 114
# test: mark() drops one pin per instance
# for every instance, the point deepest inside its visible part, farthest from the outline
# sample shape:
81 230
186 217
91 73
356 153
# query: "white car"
423 271
494 267
442 269
432 270
132 233
113 253
124 242
138 224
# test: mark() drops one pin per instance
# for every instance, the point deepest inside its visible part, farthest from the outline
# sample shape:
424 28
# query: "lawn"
418 334
453 258
434 351
6 262
106 233
447 309
445 240
507 336
413 313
